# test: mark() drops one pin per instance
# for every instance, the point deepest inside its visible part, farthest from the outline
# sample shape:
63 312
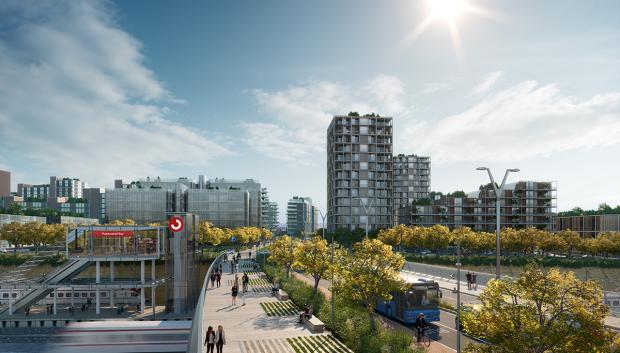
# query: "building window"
363 183
363 165
363 148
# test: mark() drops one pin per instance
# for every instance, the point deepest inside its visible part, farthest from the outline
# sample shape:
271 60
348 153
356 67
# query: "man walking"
468 276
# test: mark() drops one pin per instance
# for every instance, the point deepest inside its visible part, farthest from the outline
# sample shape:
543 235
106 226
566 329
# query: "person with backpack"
213 275
245 280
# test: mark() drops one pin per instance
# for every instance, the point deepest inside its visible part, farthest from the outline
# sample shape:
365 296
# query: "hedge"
517 261
351 323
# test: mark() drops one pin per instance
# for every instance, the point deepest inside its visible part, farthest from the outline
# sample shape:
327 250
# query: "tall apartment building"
359 172
5 183
412 180
300 216
523 204
95 199
57 187
269 212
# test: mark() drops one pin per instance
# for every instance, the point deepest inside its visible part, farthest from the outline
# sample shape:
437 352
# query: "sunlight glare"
447 9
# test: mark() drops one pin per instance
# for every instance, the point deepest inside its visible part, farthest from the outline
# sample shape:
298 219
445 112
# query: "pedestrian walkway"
258 326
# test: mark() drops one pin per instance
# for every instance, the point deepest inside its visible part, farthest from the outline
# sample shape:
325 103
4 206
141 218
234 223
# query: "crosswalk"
285 308
300 344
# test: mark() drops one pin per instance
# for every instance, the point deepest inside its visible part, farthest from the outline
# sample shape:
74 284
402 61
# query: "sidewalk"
249 329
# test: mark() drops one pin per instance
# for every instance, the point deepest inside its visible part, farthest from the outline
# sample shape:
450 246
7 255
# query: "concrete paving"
247 327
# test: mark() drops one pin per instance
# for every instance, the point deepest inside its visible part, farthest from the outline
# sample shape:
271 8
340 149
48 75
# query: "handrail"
194 344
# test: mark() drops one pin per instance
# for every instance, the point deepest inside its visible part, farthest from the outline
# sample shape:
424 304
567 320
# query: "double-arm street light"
332 259
367 208
498 196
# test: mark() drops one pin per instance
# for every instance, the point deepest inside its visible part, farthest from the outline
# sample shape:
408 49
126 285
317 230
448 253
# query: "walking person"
210 339
218 278
234 292
213 279
245 280
220 339
474 280
468 276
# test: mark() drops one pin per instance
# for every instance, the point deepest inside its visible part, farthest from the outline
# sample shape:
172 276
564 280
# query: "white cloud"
302 114
522 121
435 87
487 83
76 97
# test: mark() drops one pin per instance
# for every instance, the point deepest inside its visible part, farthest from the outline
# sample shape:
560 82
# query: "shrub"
351 323
517 261
13 259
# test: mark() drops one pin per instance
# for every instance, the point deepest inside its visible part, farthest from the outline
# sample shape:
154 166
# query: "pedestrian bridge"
254 327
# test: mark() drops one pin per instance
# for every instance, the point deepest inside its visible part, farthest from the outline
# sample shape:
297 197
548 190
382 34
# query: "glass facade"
223 208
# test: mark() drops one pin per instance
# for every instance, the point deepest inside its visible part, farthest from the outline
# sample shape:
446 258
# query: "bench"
282 295
314 324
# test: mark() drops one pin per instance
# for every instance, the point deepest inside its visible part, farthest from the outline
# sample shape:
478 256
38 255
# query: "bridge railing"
196 337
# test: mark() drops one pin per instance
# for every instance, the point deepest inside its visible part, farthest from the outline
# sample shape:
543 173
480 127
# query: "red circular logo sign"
175 224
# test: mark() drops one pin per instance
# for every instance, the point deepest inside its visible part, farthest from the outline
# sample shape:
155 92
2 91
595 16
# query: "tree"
313 257
540 313
282 252
123 222
572 239
437 237
395 236
13 233
265 234
371 273
207 234
550 242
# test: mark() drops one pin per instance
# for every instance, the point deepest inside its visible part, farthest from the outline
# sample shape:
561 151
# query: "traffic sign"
175 224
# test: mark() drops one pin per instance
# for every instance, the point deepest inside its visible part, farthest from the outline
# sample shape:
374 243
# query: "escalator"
31 296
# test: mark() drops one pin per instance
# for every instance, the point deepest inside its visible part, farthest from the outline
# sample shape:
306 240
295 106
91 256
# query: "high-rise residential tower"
359 172
300 216
412 180
5 183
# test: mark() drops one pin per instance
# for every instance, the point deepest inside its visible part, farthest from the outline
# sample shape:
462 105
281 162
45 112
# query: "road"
445 328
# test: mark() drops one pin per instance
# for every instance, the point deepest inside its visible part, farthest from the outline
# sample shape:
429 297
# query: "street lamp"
498 196
332 256
366 209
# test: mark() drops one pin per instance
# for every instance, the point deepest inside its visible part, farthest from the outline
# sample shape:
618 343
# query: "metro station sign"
112 233
176 224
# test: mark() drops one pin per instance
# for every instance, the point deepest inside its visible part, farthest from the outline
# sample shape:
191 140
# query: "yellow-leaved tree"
371 273
314 258
540 313
282 252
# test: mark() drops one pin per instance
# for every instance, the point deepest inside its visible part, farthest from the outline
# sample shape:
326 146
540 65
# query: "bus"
421 296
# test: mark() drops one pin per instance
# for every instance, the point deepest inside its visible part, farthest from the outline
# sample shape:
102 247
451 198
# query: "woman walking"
213 279
210 339
234 292
220 339
218 278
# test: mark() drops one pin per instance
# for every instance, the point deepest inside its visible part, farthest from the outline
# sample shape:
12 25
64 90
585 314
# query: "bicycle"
425 338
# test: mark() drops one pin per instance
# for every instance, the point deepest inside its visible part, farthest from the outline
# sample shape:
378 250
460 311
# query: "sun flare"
447 9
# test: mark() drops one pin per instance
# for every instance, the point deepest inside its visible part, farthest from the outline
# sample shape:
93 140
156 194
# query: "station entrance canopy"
116 242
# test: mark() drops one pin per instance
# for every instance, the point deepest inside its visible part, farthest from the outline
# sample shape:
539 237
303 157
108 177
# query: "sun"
448 12
447 9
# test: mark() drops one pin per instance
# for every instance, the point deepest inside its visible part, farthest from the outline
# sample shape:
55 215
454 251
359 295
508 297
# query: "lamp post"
332 259
458 297
366 209
498 196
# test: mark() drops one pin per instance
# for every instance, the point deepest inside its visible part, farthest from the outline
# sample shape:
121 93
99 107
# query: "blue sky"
105 90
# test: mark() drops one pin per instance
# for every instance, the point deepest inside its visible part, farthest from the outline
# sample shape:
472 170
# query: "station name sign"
112 233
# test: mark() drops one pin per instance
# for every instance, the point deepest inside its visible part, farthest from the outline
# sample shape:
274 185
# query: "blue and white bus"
422 296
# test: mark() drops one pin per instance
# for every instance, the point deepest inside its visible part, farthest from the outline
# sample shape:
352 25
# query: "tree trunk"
373 325
316 284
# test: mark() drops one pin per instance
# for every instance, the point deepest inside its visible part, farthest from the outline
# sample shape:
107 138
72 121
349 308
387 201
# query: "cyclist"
421 325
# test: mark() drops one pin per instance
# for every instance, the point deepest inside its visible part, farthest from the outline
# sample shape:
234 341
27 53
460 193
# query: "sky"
103 90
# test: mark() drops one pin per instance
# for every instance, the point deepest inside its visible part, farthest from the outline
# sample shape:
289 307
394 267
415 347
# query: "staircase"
68 270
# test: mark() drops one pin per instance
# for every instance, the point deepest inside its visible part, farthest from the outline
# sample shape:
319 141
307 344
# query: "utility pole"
332 271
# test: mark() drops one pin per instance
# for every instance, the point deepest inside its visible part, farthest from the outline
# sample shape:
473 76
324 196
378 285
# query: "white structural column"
111 298
97 302
111 271
98 271
55 301
142 289
72 296
152 286
11 302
